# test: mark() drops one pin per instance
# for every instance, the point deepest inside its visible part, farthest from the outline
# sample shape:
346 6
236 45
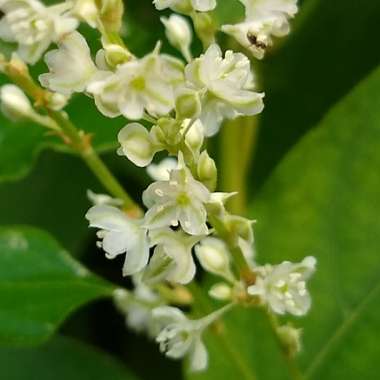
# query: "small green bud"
111 14
204 27
187 104
170 131
290 338
116 55
206 171
242 227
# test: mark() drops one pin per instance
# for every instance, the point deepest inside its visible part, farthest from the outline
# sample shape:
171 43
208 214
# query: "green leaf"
312 69
40 285
60 359
323 200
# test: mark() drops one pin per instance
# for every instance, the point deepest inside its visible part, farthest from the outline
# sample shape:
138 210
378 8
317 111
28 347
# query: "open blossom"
283 287
73 77
138 86
179 336
172 259
226 84
186 6
181 199
120 234
34 26
264 19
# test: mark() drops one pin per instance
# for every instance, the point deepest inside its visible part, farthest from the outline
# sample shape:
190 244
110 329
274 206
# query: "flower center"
138 83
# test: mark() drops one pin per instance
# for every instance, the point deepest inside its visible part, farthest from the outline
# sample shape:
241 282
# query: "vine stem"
294 371
202 306
77 139
237 143
82 145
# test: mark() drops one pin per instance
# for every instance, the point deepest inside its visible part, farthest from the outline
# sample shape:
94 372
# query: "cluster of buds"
172 106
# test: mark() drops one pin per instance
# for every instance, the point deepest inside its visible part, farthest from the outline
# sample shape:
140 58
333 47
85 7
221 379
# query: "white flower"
179 336
186 6
214 257
226 85
138 144
175 246
137 305
179 34
181 199
161 171
71 67
139 85
14 103
264 19
283 287
120 234
34 26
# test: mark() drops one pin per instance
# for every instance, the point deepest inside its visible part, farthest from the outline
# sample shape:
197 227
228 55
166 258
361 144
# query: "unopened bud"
194 136
206 171
178 32
204 27
86 10
111 14
220 291
187 104
213 255
57 101
290 338
137 144
14 103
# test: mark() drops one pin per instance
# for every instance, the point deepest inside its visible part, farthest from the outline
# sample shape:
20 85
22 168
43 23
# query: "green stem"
80 142
239 259
202 307
294 371
237 142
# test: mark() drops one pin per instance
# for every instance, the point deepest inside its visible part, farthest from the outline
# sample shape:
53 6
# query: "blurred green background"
313 186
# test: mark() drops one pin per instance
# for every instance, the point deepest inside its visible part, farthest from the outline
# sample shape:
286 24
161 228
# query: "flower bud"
137 144
57 101
220 291
290 338
178 32
86 10
168 132
111 14
187 104
213 255
14 103
194 136
206 171
205 28
241 226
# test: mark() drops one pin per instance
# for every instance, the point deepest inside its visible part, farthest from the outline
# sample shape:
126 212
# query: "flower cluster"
172 107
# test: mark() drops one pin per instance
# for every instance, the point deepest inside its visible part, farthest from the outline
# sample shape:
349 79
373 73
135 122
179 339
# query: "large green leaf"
310 70
323 200
60 359
40 284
